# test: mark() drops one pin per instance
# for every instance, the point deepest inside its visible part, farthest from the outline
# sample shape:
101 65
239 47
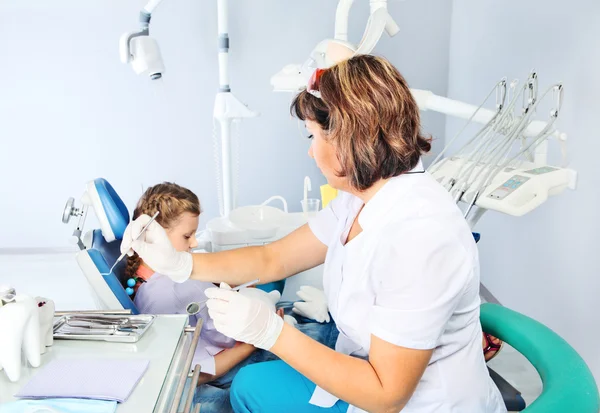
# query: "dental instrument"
245 285
492 173
499 135
102 327
123 255
503 166
194 308
493 158
500 89
102 321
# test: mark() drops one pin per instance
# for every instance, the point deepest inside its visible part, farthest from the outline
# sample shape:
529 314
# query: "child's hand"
280 312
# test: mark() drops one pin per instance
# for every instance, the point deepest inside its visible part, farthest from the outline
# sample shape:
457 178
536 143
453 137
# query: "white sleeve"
420 276
324 224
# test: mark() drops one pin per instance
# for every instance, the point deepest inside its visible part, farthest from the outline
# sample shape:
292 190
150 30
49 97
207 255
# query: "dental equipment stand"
514 191
485 174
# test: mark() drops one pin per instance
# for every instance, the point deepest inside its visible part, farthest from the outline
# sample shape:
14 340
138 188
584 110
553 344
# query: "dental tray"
102 327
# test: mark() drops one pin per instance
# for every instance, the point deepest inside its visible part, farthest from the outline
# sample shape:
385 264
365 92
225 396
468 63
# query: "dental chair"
513 400
100 248
568 383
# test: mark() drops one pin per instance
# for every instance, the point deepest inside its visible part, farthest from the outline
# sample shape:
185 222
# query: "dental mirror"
194 307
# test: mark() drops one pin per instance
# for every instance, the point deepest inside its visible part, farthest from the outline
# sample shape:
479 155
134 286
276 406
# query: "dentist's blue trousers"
260 384
275 387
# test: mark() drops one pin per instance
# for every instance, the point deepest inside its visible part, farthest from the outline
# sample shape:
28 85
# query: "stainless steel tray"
102 327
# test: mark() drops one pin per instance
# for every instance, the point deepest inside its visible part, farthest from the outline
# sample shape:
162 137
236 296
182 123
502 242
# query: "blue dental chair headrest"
110 209
106 241
104 255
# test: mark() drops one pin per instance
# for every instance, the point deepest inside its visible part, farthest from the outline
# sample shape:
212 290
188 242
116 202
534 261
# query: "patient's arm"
226 360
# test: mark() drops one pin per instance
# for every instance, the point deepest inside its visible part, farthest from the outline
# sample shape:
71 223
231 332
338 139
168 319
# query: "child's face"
183 233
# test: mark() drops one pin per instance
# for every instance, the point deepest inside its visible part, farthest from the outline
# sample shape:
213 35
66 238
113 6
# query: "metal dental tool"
248 284
124 254
194 308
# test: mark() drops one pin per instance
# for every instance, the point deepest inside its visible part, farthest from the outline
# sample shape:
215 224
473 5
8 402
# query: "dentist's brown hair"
370 116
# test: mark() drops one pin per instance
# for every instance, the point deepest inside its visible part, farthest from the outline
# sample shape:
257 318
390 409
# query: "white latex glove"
155 248
242 318
290 320
314 305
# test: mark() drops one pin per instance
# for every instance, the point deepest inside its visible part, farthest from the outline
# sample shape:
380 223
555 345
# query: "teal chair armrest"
568 383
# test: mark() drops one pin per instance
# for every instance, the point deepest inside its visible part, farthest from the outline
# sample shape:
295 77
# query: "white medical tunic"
411 278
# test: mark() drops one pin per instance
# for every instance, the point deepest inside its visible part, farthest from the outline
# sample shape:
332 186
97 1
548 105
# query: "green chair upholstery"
568 383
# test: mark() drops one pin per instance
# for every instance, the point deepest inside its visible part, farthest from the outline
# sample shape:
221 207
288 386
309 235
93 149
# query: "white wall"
71 112
544 264
51 273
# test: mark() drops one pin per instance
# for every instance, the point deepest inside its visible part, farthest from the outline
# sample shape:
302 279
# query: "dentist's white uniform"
410 278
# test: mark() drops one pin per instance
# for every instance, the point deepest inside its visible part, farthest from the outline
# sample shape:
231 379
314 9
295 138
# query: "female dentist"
401 270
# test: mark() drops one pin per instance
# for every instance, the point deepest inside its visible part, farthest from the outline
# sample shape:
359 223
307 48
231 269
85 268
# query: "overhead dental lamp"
328 52
140 50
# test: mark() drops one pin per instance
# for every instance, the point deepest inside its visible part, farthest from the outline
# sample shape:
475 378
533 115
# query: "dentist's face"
325 156
183 232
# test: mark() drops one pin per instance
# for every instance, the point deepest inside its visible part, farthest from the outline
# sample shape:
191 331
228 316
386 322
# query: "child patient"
158 294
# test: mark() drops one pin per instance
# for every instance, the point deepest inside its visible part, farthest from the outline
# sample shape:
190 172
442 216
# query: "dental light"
143 53
141 50
294 77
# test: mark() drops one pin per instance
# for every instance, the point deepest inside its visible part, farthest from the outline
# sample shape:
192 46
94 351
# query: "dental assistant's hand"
243 318
155 248
314 305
